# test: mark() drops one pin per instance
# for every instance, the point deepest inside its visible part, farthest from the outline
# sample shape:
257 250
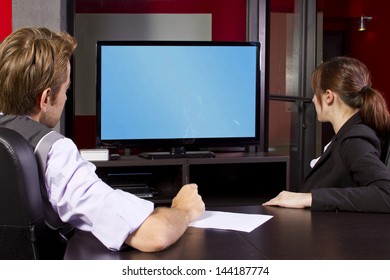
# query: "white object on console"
95 154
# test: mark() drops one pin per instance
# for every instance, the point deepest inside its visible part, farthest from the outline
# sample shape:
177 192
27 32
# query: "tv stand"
177 153
231 178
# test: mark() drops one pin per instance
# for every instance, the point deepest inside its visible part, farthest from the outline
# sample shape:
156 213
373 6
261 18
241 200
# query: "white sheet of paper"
229 220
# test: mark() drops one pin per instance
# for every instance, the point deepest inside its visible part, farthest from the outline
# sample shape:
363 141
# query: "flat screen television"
183 96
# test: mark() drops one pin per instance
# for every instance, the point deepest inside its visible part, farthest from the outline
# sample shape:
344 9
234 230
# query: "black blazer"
349 176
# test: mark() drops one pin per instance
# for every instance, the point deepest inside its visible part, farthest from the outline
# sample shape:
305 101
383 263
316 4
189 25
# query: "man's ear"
44 99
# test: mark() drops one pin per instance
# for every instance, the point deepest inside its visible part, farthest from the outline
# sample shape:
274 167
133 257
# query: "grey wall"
40 13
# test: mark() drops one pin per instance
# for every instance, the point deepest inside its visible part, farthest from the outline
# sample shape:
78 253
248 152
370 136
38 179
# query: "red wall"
5 18
370 46
228 16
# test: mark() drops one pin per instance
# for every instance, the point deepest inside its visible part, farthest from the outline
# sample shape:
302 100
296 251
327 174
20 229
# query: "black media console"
233 178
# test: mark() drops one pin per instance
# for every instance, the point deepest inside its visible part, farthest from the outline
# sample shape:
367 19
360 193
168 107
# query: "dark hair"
31 60
351 80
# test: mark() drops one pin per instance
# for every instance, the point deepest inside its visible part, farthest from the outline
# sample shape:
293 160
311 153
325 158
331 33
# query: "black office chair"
23 232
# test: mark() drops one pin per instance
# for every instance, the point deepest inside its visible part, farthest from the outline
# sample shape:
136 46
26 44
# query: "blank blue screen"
177 92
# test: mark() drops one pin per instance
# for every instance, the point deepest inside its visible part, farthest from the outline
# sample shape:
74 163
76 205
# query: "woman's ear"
329 96
44 99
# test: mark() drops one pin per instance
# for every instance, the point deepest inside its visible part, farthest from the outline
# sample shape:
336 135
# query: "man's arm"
166 225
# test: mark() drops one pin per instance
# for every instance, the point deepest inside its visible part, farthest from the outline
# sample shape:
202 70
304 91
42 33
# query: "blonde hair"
32 60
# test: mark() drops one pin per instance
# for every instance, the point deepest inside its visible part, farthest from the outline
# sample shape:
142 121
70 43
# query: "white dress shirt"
314 161
82 199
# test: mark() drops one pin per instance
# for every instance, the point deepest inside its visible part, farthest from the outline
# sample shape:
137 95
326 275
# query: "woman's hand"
290 200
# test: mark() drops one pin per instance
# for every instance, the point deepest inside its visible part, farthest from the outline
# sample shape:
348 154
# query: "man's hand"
189 201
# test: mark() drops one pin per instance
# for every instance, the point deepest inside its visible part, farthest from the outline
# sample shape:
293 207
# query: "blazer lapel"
355 119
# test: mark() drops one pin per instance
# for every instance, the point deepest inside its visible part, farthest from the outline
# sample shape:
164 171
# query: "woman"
349 175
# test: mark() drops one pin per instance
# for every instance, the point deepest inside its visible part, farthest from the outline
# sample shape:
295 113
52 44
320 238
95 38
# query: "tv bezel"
189 144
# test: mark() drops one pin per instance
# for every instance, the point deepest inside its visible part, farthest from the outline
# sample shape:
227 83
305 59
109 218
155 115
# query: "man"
34 78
